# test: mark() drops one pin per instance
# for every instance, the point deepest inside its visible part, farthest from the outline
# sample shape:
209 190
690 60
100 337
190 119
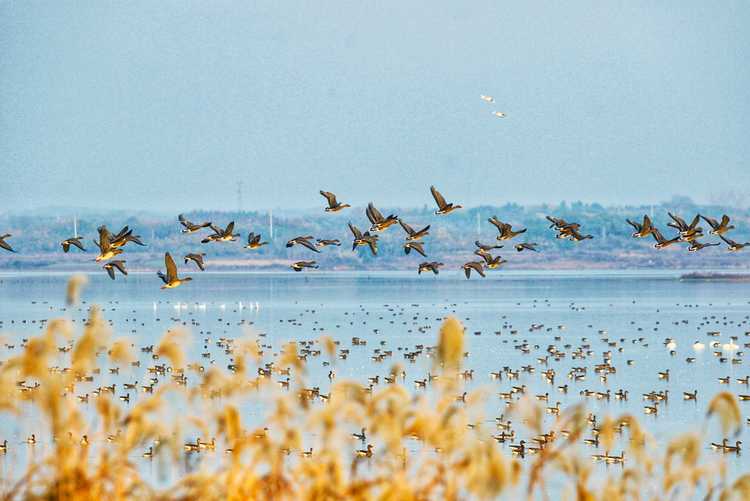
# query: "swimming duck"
171 281
719 446
190 227
360 436
193 447
303 264
413 235
307 454
443 207
379 223
110 267
150 453
333 205
198 258
253 241
72 241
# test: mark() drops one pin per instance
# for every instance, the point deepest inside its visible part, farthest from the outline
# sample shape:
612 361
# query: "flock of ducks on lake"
110 245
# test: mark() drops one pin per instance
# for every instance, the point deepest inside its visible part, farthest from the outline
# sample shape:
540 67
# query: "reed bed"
456 461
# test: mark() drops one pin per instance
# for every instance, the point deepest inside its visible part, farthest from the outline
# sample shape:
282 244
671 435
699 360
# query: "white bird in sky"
498 114
487 98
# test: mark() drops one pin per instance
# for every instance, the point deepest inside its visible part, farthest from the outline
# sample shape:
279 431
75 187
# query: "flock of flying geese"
110 244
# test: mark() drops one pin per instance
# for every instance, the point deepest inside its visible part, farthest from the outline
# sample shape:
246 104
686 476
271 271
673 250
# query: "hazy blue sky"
165 105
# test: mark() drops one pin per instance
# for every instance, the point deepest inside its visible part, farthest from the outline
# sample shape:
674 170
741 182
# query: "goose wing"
229 230
110 271
120 266
438 197
498 224
355 231
330 197
76 242
103 239
162 276
307 244
635 225
374 215
171 268
408 229
679 223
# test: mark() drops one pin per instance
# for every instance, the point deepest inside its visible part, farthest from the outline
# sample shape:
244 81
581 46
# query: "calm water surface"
401 309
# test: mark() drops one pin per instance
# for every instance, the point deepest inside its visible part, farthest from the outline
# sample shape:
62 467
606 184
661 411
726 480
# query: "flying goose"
72 241
198 258
718 228
433 267
485 248
190 227
498 114
304 241
115 264
523 246
303 264
695 245
682 227
366 239
642 230
253 241
4 244
473 265
379 223
171 281
333 205
323 242
106 251
733 246
506 230
413 235
490 262
443 207
417 246
487 98
662 242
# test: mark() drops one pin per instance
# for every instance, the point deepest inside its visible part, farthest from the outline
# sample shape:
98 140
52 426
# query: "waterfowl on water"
150 453
505 229
198 258
417 246
253 241
651 410
733 448
299 265
307 454
31 440
443 207
170 280
119 265
333 205
304 241
193 447
379 223
433 267
4 446
85 440
413 235
616 459
642 230
190 227
365 453
719 446
718 228
72 241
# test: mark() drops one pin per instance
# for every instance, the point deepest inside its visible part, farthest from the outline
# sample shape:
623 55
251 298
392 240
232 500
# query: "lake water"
403 309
